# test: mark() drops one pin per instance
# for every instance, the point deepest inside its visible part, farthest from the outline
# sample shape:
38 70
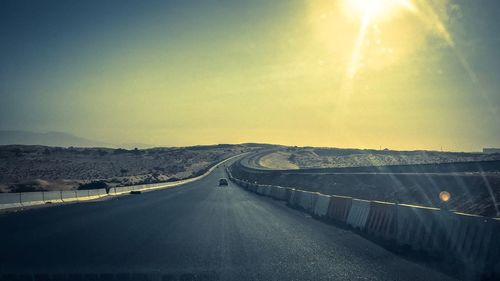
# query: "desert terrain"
310 157
25 168
405 177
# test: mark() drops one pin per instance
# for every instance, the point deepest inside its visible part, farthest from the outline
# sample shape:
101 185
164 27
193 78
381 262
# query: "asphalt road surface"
199 229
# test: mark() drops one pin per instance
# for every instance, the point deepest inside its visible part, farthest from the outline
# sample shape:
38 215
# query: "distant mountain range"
47 138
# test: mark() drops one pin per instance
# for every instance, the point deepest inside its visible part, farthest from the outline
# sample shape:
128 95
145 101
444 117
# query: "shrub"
93 185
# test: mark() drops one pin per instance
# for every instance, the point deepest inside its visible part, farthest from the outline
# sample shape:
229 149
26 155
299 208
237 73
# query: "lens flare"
444 196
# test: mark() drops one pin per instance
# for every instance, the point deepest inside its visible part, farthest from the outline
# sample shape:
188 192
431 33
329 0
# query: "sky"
398 74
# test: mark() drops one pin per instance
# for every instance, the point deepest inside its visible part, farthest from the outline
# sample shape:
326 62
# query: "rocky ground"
34 168
385 175
307 157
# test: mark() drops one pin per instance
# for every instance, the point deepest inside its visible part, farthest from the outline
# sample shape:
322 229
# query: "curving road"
199 229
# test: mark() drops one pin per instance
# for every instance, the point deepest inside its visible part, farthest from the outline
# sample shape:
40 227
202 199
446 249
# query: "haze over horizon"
415 75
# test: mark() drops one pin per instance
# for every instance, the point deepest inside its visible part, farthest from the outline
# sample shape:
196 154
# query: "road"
217 233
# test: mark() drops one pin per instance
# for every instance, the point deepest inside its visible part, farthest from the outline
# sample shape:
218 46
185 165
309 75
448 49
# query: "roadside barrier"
274 192
295 198
10 200
68 195
321 206
260 189
470 240
418 227
118 190
267 191
339 207
103 192
17 200
252 187
278 193
495 256
31 198
52 196
381 220
97 193
125 189
82 195
474 241
288 193
307 201
358 214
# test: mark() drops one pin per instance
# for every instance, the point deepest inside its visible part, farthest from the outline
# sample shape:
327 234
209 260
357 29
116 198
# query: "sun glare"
370 10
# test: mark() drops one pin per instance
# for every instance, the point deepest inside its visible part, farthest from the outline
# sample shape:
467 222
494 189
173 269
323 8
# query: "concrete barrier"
267 191
32 198
288 193
274 192
10 200
307 201
102 192
140 187
358 214
495 256
474 241
338 208
15 200
252 187
122 190
93 194
471 240
295 198
115 190
418 227
278 193
381 220
68 196
82 195
260 189
52 197
136 187
321 206
290 196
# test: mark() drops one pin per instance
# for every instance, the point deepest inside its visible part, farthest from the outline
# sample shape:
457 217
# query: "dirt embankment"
472 192
35 168
308 157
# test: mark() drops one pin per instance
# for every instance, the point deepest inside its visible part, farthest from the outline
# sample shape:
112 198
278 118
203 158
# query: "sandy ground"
277 160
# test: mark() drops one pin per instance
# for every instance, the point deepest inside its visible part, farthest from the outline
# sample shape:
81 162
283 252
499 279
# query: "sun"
370 12
374 10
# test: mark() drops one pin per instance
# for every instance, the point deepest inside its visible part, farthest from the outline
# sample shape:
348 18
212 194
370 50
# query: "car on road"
223 182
